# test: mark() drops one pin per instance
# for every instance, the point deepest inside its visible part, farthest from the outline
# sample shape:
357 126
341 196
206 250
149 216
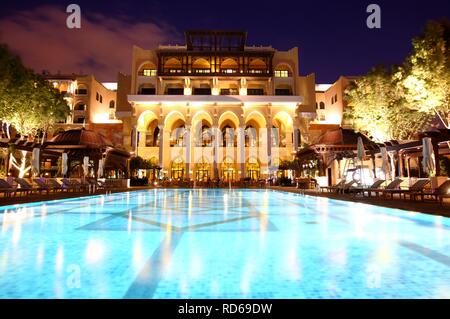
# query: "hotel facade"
215 107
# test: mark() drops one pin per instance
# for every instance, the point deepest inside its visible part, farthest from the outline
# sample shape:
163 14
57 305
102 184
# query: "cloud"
101 47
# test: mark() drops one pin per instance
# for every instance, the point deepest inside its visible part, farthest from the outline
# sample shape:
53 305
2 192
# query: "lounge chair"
56 185
346 187
439 193
7 189
395 184
417 187
42 184
358 190
29 188
334 187
71 184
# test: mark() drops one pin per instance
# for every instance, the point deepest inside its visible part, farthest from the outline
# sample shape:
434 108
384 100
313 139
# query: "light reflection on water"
221 244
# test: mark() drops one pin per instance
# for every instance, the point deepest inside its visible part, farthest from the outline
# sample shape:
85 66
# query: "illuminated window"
255 71
149 72
112 114
322 117
281 73
202 70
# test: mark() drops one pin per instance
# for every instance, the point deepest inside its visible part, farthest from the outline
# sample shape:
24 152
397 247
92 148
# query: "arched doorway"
177 169
252 169
202 170
228 171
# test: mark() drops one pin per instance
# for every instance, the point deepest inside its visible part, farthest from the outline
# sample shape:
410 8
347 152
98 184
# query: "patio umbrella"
35 161
428 156
101 166
384 162
86 165
64 166
360 149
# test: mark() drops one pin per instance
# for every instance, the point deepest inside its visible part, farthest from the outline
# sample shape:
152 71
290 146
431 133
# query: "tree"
378 108
28 103
425 74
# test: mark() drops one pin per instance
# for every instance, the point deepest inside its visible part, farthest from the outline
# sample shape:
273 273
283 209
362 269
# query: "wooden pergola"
337 145
76 144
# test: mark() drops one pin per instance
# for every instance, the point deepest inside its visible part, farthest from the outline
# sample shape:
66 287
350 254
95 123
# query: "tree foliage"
28 102
425 74
399 102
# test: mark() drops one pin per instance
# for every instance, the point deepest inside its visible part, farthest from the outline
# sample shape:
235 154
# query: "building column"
296 138
269 147
161 146
187 143
215 133
241 150
437 157
134 139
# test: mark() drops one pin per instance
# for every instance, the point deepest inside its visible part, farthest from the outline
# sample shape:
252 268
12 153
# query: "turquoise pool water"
220 244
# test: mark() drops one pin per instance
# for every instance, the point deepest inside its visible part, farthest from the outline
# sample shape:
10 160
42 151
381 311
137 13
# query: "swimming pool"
184 243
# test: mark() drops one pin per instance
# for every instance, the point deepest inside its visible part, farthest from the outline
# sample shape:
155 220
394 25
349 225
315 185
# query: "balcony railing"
209 72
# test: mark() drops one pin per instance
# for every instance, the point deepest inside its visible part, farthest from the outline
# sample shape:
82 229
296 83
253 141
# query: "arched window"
173 65
251 139
229 66
257 66
112 104
228 136
322 106
152 134
177 136
201 66
148 69
80 107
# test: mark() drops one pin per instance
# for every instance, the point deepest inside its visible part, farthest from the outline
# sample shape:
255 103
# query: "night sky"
332 36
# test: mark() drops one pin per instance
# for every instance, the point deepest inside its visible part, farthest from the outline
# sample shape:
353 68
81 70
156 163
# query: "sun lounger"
417 187
55 184
440 193
71 184
7 189
358 190
332 188
42 184
29 188
395 184
346 187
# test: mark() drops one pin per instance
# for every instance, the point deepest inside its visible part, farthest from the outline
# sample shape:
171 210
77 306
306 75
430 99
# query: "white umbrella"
86 165
360 149
64 166
428 156
101 165
35 161
384 162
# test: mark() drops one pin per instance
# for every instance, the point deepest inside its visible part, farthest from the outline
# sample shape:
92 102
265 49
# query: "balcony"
292 100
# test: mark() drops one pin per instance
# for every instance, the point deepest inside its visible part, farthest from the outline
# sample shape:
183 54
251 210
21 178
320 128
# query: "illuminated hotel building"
92 105
215 107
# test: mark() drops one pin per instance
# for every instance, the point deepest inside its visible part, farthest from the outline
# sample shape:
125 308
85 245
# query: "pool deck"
427 207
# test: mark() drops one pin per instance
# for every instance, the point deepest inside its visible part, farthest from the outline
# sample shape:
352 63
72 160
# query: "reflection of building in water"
215 107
